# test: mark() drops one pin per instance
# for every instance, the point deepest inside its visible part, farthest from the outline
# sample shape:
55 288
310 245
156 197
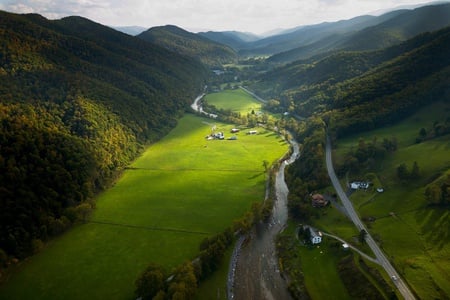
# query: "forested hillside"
362 90
365 33
186 43
78 101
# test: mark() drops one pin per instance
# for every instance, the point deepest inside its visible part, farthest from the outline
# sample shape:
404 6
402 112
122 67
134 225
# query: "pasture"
181 190
235 100
414 235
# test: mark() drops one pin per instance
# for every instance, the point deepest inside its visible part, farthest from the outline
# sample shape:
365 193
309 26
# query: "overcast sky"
255 16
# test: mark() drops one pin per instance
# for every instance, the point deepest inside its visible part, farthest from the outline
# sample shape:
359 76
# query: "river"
255 269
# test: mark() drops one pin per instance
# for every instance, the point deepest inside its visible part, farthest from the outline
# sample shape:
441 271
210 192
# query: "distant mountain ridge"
186 43
359 33
234 39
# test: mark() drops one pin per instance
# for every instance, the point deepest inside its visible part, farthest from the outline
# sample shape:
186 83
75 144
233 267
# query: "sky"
255 16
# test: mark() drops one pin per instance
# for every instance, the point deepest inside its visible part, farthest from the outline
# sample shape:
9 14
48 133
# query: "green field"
235 100
181 190
415 236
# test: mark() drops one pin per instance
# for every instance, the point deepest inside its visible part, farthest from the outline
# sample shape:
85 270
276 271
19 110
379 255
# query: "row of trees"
309 173
156 283
366 155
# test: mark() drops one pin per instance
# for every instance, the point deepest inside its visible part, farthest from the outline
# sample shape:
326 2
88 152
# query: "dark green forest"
78 102
186 43
359 91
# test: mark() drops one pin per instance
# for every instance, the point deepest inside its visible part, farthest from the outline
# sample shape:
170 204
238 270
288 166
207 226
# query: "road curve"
351 213
352 247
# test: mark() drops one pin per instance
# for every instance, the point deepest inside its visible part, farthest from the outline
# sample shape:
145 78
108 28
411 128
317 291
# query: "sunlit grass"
235 100
414 235
182 189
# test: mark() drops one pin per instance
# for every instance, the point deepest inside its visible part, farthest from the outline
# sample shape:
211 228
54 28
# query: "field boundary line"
152 228
194 169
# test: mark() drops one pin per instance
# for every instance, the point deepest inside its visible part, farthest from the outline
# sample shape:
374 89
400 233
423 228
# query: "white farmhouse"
316 237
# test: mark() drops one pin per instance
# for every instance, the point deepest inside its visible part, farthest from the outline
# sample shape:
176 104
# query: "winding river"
254 272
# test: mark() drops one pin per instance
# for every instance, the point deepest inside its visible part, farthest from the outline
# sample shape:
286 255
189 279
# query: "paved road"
351 213
354 248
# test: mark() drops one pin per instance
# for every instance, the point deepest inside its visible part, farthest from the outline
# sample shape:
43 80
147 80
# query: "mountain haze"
367 33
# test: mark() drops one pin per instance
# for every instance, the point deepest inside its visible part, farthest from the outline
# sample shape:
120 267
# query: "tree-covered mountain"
78 101
234 39
186 43
369 33
357 91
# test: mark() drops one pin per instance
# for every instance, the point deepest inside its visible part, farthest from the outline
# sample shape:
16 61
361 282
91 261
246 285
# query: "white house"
316 237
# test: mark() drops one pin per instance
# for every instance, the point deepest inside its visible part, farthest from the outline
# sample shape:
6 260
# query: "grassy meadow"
181 190
415 236
235 100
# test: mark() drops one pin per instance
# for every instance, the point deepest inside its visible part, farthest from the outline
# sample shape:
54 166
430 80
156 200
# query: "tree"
433 194
402 171
151 282
415 171
83 211
422 132
184 283
362 236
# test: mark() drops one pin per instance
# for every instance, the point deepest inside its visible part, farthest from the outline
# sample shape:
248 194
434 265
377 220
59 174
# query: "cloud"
250 15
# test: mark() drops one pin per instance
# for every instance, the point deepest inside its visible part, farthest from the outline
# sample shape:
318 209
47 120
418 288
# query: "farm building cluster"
358 185
221 135
363 185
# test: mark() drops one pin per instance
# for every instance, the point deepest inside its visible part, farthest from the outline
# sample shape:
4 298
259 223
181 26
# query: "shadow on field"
256 175
435 227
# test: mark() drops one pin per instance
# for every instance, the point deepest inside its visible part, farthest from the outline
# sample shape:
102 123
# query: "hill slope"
370 33
186 43
366 89
78 102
